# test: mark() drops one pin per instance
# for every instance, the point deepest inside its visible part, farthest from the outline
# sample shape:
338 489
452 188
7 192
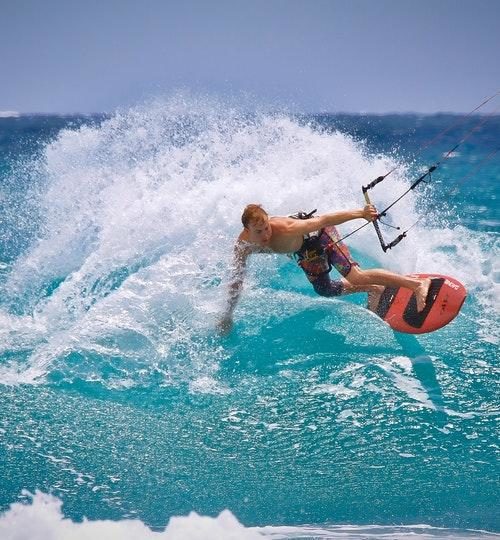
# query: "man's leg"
374 292
378 276
340 258
325 286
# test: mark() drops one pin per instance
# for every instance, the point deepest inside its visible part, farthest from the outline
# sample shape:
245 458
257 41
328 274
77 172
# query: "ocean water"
123 413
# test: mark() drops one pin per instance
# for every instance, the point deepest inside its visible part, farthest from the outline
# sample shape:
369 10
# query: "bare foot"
421 293
374 295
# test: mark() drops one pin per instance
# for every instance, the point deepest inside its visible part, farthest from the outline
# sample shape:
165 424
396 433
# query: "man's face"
260 231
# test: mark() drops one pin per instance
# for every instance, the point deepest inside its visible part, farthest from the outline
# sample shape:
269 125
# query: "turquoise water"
118 398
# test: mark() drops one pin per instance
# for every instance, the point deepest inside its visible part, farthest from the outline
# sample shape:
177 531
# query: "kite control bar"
381 239
385 246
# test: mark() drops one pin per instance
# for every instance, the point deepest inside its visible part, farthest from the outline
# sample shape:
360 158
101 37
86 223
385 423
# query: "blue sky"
307 55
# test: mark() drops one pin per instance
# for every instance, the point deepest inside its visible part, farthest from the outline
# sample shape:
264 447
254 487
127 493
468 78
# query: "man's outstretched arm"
306 226
235 286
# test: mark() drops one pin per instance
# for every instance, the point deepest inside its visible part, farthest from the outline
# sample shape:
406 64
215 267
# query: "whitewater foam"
135 218
43 519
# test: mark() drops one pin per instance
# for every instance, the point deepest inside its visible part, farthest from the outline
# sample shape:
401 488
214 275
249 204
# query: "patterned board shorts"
319 254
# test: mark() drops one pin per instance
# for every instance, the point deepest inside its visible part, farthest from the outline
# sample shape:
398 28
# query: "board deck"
398 306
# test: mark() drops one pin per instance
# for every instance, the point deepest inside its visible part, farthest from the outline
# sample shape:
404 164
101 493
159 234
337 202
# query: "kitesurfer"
316 246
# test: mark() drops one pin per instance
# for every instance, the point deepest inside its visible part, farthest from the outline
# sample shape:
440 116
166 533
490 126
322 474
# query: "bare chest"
281 243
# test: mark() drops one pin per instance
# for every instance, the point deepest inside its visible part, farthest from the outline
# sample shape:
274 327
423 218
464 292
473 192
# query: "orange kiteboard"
398 306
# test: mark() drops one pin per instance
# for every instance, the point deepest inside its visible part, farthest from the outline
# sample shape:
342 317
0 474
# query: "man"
315 244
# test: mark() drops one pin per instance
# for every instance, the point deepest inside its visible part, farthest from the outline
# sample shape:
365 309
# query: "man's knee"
356 276
332 288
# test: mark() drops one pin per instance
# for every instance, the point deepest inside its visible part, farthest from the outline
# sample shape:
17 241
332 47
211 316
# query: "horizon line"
16 114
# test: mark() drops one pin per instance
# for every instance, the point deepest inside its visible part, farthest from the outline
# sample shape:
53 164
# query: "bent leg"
325 286
378 276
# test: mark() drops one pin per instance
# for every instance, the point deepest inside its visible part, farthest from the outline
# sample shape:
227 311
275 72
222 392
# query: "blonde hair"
252 213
